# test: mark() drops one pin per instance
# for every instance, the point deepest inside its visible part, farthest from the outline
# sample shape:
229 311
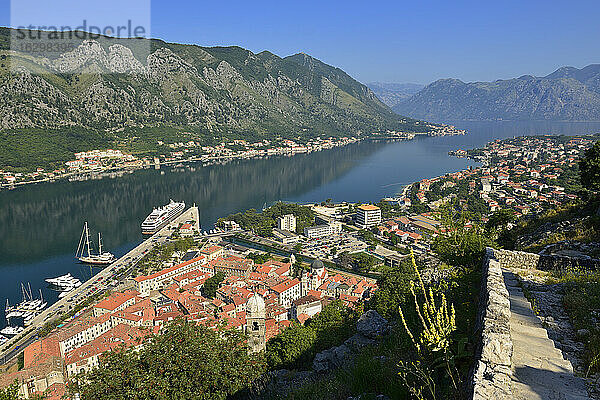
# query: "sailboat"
84 252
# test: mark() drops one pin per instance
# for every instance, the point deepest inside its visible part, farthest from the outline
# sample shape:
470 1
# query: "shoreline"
208 160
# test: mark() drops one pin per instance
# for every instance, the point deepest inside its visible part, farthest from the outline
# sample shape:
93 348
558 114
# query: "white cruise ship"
160 217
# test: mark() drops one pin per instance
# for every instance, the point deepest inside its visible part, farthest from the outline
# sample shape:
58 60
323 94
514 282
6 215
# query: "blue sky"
392 41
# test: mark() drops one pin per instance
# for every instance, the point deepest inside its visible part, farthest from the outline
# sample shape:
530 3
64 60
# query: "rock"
550 319
321 363
497 349
358 341
340 354
372 325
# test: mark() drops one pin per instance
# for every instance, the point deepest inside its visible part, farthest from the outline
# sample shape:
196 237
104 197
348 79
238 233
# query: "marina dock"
97 284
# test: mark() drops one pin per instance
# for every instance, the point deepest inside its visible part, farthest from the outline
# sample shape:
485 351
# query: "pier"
97 284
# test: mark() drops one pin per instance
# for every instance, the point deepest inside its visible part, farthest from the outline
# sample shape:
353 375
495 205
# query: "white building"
486 186
83 332
320 231
158 280
368 215
288 291
287 223
315 278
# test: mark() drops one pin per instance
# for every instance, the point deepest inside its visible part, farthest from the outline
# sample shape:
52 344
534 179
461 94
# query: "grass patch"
582 304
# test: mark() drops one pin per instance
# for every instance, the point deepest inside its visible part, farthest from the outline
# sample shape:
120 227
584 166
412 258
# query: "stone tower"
255 323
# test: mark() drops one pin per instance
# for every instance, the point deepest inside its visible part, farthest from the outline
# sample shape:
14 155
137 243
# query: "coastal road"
96 284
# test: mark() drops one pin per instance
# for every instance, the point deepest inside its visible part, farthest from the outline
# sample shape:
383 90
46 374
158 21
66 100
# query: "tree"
10 392
297 345
333 324
344 260
460 245
259 258
500 219
589 168
209 289
394 286
186 361
393 239
290 346
363 262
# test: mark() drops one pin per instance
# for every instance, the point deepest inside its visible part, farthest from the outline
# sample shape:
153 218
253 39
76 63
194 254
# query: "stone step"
539 368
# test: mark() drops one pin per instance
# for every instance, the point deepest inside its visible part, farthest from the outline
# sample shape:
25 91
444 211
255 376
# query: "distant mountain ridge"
393 93
209 89
567 94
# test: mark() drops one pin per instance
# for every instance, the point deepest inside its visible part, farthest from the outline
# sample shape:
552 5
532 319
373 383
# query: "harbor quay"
96 285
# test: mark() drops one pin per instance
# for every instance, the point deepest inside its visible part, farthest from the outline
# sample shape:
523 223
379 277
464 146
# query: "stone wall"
492 372
516 259
524 260
491 377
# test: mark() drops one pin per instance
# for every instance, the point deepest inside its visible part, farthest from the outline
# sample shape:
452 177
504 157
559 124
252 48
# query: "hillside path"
539 370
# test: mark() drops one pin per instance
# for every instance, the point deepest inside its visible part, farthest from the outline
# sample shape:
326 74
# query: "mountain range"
212 90
566 94
393 93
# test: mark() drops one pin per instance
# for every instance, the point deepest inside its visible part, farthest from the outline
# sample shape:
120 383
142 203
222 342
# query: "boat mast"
87 238
80 246
99 244
30 294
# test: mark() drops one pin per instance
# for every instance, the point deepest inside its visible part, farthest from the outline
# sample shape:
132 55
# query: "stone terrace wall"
516 259
492 372
524 260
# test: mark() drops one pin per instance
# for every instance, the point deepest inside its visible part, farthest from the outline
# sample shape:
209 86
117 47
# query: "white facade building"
287 223
368 215
320 231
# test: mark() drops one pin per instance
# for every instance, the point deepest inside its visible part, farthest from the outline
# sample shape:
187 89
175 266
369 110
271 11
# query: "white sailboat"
102 258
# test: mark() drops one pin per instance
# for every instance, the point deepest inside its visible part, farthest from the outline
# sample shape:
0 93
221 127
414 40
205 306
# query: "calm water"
40 225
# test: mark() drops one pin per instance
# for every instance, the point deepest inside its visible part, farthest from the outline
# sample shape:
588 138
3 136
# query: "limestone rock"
372 325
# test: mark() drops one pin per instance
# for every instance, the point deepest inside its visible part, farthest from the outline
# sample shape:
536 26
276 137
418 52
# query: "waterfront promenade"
97 284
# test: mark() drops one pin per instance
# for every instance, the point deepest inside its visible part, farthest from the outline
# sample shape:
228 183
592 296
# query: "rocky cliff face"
567 94
215 89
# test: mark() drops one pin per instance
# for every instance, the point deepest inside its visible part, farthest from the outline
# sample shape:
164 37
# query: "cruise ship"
160 217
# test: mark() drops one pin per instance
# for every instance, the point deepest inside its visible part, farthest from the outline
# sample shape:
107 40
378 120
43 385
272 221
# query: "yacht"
160 217
14 314
10 331
102 258
64 281
29 304
3 340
